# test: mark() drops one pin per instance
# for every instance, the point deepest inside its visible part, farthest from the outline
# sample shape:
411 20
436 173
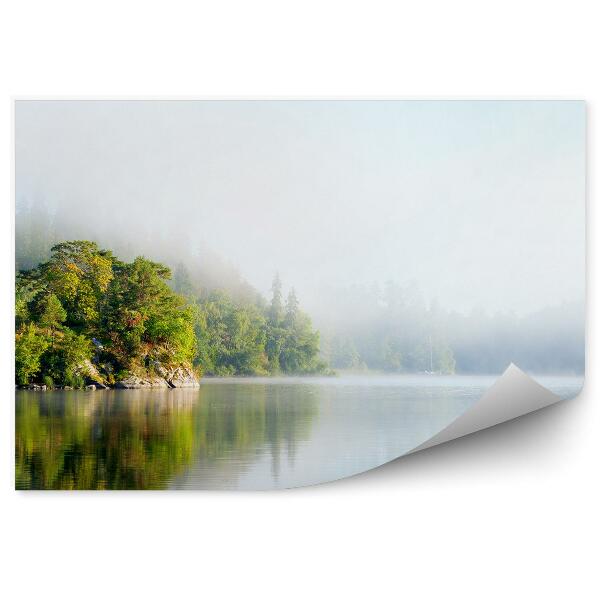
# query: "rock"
160 369
182 377
99 386
176 377
91 375
132 382
67 387
90 387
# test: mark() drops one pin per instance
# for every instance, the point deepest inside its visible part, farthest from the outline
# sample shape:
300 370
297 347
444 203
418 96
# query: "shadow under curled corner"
514 394
511 402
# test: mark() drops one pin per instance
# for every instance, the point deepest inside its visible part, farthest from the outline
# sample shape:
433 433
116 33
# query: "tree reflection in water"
139 439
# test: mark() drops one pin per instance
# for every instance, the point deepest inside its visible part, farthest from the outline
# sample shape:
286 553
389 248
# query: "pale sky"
481 203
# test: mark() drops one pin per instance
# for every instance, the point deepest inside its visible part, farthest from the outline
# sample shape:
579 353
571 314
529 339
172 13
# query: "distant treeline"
84 305
394 329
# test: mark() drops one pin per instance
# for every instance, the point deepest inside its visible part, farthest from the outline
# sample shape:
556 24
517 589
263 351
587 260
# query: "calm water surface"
250 433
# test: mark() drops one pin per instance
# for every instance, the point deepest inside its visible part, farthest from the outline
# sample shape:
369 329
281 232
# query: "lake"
246 433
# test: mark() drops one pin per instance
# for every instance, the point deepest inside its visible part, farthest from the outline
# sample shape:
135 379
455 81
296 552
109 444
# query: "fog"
475 207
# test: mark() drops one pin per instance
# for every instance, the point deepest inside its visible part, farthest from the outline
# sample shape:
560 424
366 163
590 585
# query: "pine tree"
291 309
275 312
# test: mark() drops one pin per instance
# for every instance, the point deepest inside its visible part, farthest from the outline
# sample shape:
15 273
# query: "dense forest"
85 316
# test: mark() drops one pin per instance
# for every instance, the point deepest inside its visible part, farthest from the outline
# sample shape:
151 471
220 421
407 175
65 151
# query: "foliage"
84 305
26 290
51 313
74 381
231 337
30 345
276 308
143 319
66 359
388 328
293 345
241 338
79 273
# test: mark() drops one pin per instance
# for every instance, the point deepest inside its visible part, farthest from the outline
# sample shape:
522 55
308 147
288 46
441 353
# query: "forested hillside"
86 317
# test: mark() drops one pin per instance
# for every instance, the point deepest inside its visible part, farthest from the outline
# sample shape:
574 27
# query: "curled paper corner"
512 395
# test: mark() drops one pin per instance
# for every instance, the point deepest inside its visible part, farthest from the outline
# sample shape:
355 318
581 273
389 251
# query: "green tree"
291 309
86 304
274 344
292 346
66 361
79 273
143 319
231 337
276 308
300 350
27 287
51 312
30 345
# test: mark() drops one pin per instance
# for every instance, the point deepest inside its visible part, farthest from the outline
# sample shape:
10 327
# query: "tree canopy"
85 310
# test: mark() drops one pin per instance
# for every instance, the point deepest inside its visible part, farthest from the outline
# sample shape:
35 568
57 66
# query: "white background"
507 513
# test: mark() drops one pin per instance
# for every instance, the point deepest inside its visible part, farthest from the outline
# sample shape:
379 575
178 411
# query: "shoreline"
216 379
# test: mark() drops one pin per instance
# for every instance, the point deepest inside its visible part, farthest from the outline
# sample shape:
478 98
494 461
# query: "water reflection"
100 440
143 439
234 434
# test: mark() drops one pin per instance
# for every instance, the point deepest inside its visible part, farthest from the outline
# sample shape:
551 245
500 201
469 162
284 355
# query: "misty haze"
395 254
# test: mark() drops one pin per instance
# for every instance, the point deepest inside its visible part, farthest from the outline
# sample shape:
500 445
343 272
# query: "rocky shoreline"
181 376
178 377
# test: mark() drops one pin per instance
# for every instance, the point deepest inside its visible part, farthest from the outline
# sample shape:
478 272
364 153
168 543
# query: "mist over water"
447 224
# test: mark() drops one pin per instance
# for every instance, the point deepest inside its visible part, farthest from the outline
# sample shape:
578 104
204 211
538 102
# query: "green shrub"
66 357
75 381
30 345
